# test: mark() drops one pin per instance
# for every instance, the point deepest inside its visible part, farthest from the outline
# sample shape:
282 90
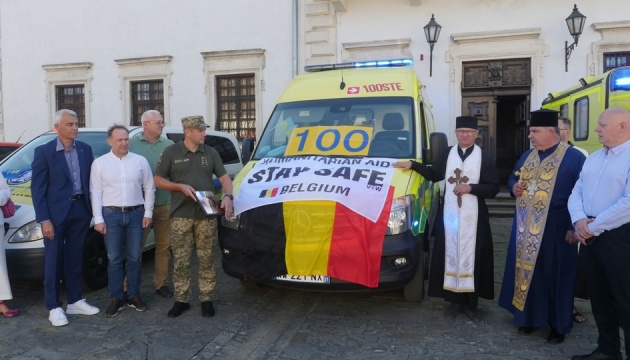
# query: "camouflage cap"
194 122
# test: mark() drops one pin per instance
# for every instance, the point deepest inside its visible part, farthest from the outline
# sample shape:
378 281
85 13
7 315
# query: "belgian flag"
317 237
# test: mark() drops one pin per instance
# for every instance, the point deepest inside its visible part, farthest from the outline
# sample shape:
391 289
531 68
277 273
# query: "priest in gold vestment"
539 279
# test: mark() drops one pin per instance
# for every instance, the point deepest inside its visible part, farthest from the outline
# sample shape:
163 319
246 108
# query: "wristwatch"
228 196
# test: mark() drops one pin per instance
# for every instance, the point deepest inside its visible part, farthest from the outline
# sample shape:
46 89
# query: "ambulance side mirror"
438 143
247 149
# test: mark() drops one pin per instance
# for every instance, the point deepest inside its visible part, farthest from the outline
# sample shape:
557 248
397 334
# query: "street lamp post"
575 22
432 33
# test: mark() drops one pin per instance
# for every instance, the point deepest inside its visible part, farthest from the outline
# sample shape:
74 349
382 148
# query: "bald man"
600 210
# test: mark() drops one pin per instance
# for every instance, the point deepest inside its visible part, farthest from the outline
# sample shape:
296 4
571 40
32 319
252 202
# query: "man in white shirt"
600 210
118 181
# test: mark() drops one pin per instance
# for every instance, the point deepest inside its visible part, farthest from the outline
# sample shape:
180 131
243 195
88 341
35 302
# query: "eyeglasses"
159 123
466 132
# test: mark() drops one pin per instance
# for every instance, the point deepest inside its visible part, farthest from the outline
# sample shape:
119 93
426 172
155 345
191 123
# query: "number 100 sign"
329 140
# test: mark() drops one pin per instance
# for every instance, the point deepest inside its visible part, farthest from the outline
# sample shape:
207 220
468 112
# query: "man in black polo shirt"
184 168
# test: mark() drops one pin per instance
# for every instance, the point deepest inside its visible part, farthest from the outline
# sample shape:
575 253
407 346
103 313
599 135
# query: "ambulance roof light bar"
621 79
360 65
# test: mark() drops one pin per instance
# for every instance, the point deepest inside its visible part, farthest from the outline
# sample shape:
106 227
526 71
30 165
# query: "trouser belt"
124 208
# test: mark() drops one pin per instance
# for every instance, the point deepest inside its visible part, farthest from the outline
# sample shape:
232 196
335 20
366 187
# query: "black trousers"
608 277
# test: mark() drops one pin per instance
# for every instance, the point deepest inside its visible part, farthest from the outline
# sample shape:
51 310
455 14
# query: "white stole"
460 224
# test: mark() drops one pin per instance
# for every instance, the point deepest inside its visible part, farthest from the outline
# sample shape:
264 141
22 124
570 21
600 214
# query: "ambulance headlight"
29 232
400 216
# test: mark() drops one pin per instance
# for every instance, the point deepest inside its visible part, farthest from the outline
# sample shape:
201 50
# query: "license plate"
320 279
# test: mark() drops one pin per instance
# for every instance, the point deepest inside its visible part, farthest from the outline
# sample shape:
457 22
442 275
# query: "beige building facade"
496 60
229 61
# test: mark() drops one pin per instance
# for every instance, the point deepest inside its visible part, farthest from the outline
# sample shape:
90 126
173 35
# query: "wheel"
95 262
427 254
426 264
414 290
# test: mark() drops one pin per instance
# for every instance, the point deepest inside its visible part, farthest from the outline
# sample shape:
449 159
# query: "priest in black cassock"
539 278
462 266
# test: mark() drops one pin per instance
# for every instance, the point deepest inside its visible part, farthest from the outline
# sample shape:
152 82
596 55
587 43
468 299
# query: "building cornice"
230 53
503 35
377 43
70 66
148 59
611 25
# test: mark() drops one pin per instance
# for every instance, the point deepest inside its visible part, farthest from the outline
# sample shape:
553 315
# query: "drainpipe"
294 39
2 137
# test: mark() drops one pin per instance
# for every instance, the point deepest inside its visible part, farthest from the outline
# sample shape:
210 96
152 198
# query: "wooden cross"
457 180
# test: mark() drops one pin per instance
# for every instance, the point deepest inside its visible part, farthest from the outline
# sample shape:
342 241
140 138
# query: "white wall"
372 20
40 32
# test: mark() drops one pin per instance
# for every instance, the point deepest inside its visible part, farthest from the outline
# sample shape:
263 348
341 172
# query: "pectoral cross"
457 180
530 186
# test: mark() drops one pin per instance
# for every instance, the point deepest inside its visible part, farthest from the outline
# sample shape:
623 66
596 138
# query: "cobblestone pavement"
276 323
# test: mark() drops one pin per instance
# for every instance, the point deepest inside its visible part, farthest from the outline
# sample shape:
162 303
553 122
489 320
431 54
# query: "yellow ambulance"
321 168
583 103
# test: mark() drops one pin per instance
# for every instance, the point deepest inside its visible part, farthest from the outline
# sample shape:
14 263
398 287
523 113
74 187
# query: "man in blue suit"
61 198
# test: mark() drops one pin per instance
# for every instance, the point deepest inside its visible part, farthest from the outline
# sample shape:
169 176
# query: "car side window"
225 148
174 137
96 140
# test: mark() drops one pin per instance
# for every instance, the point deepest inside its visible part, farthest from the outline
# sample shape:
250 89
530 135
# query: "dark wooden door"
484 109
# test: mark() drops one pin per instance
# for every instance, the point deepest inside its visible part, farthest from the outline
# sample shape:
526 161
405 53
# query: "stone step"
502 205
501 213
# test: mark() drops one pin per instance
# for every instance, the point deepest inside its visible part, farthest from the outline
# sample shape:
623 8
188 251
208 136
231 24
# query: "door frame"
493 45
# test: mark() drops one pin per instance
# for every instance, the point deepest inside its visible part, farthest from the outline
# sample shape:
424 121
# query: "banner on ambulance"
361 184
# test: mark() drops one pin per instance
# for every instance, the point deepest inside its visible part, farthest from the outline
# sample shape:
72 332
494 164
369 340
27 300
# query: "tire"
427 240
426 264
95 262
414 290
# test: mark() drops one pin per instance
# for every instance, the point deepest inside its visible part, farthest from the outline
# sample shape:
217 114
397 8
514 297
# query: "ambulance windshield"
374 127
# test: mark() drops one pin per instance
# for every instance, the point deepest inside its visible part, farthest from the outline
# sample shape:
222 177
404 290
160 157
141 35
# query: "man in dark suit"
60 190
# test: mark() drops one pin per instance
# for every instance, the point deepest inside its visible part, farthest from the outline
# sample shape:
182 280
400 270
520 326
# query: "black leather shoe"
450 312
207 310
555 337
473 315
597 355
164 292
526 330
178 308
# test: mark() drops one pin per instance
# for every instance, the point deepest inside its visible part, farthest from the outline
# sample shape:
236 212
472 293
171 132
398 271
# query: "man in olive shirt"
150 144
184 168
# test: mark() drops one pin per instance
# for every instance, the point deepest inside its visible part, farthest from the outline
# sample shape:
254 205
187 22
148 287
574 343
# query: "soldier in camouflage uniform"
184 168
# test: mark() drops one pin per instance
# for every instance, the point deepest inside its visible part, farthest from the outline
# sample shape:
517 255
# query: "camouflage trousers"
187 234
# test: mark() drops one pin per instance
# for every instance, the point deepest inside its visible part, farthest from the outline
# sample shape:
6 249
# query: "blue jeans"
123 241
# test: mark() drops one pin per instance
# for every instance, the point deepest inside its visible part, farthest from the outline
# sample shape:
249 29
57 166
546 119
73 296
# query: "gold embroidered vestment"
532 208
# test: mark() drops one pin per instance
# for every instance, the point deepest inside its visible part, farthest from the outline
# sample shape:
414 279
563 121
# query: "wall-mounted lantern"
575 22
432 32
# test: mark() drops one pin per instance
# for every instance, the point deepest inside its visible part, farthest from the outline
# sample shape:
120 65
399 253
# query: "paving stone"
277 323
